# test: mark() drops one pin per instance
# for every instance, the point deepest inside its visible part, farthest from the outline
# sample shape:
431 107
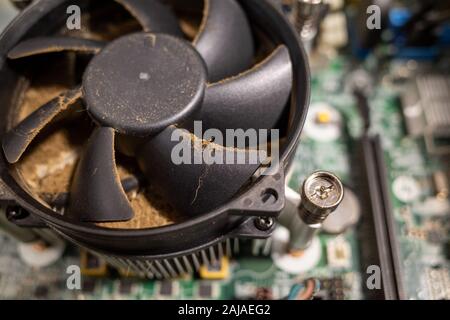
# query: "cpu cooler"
240 67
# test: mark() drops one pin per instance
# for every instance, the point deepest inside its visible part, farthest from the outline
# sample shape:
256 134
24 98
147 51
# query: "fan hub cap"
142 83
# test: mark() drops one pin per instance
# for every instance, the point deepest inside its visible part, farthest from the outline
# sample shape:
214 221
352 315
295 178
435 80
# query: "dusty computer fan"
137 89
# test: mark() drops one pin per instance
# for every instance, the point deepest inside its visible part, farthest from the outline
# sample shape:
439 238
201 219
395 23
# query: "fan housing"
238 217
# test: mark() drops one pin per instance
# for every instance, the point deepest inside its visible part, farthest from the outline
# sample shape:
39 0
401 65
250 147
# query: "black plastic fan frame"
234 217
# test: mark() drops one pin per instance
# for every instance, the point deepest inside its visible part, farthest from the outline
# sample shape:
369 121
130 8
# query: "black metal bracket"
22 218
265 199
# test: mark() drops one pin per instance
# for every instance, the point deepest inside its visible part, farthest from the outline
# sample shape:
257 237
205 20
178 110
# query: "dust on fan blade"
194 188
41 45
60 200
18 139
97 194
263 91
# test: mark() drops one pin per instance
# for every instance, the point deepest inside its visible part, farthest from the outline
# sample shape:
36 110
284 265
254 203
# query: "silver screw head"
264 223
322 192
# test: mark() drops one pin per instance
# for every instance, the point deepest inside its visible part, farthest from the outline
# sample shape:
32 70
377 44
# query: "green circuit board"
423 222
422 234
248 272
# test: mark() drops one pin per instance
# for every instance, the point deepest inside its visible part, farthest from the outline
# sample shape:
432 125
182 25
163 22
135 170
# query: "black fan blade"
153 16
97 194
41 45
225 39
18 139
192 188
255 99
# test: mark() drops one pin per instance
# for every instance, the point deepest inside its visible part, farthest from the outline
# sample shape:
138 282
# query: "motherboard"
361 127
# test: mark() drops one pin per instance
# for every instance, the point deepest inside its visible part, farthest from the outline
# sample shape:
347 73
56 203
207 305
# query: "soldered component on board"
92 265
339 253
216 271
